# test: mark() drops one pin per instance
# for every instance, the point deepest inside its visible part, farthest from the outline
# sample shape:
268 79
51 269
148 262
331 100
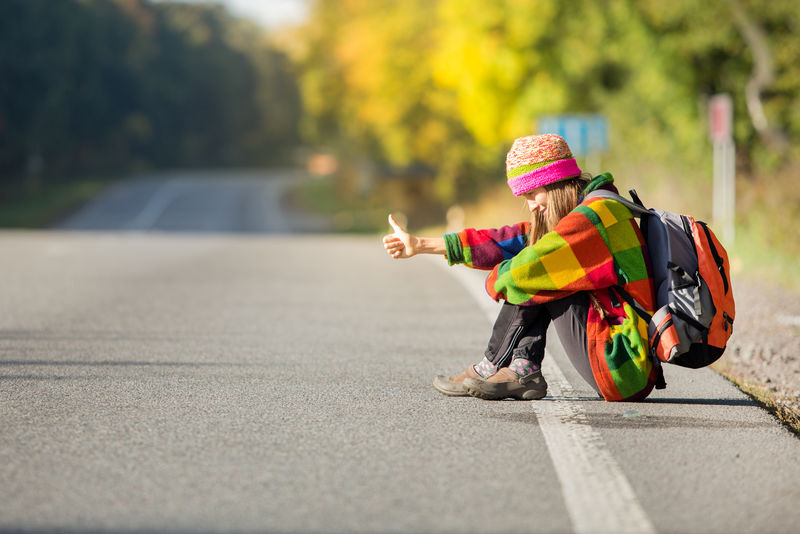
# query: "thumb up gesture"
400 244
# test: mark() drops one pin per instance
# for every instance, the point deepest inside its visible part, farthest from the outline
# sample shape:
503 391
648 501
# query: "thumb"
395 225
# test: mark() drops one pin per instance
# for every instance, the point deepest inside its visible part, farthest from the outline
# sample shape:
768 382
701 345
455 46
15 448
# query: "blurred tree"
448 83
104 86
367 76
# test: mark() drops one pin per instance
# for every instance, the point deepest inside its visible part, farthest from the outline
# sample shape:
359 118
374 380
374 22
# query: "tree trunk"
762 77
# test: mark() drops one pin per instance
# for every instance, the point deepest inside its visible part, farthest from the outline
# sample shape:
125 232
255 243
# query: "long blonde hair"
562 197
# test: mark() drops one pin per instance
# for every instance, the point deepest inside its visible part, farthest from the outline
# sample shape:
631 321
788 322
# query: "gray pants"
521 332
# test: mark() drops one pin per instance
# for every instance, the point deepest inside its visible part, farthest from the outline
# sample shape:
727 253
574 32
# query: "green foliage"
107 86
450 84
367 79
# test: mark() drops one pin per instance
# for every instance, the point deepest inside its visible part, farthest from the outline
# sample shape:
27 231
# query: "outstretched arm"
401 244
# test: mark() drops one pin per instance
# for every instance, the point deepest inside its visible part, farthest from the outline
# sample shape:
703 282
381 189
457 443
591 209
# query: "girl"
561 267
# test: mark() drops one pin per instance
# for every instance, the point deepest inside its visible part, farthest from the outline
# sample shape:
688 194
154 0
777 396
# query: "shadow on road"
705 402
630 419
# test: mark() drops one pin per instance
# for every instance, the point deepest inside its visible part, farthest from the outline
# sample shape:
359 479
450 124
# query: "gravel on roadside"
763 354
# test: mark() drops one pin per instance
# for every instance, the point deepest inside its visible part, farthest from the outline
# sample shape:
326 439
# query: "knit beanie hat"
538 160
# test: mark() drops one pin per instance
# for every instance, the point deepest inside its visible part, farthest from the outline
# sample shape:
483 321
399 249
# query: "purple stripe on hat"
552 172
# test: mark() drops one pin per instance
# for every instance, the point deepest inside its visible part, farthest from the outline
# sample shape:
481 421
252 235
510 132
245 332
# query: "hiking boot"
506 383
454 386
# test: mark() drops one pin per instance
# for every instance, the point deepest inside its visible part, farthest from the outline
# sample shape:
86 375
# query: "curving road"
227 201
231 381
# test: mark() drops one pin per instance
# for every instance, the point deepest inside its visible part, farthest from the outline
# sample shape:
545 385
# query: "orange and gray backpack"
691 275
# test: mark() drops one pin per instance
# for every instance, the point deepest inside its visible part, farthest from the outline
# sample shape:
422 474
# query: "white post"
729 181
724 197
717 213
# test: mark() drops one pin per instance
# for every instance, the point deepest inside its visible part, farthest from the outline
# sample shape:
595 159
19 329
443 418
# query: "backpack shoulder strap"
636 208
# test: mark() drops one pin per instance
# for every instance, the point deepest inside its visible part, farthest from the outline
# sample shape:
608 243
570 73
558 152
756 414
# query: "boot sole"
489 391
446 387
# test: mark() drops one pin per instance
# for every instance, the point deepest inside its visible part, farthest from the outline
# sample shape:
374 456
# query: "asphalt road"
211 201
187 381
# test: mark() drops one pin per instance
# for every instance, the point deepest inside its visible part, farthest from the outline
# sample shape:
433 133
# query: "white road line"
155 207
596 492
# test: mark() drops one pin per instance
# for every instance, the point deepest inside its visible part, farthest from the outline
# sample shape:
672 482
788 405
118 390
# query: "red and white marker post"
720 121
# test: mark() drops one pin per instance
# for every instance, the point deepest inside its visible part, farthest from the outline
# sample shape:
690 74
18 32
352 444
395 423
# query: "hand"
400 244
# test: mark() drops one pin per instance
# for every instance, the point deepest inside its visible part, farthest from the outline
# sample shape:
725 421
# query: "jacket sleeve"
573 257
484 249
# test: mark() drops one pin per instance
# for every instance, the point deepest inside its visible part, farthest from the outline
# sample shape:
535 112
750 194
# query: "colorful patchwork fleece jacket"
596 246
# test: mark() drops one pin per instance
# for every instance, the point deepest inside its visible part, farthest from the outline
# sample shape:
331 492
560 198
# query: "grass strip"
348 213
786 412
45 207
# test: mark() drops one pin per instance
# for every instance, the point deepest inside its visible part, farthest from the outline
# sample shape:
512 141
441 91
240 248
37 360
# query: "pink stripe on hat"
547 174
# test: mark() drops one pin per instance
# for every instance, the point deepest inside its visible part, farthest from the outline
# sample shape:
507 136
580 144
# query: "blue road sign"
585 134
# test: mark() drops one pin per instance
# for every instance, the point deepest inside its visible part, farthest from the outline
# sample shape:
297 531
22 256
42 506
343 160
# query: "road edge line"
596 493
